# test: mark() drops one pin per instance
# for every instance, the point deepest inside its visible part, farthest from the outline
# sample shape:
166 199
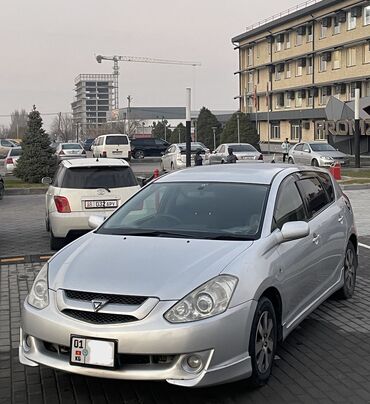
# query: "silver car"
66 151
174 157
11 159
196 278
316 154
245 152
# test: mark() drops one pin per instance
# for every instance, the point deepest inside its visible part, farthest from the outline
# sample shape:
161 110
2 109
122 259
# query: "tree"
4 131
248 132
178 134
161 130
37 159
207 121
18 124
62 127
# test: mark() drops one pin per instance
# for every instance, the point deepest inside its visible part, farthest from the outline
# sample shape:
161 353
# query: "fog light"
27 343
193 364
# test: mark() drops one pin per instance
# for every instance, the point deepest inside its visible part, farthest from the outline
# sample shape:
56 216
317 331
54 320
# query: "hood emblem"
98 304
100 191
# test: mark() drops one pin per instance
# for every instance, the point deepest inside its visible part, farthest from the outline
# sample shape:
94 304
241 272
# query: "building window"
367 53
336 26
277 74
299 69
287 101
337 58
320 132
309 65
310 98
323 64
250 82
258 76
298 99
279 101
367 88
309 33
351 21
323 30
287 36
299 39
288 73
257 51
278 45
366 15
325 92
249 104
250 56
352 90
351 57
336 92
295 132
275 131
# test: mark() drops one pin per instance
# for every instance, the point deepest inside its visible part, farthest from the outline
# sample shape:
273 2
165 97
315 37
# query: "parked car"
5 146
87 144
174 157
148 147
112 146
11 159
2 187
245 152
82 187
196 278
16 142
316 154
67 151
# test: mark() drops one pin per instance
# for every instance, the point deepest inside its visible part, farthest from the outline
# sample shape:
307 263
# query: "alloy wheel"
264 342
349 269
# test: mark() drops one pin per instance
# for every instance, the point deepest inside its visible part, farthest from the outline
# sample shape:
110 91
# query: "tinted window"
98 177
242 148
58 176
71 146
15 152
299 147
289 205
116 140
200 209
161 143
314 195
321 147
6 143
306 148
328 185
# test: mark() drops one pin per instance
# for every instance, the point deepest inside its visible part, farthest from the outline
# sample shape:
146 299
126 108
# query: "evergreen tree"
207 121
37 159
178 134
161 130
248 133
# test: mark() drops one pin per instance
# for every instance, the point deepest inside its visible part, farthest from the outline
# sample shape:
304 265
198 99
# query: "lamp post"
188 127
238 125
214 137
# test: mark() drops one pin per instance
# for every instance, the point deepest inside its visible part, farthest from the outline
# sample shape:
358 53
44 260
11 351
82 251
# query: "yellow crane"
137 59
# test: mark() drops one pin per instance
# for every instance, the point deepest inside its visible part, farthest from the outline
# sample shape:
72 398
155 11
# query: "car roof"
242 173
61 144
114 134
93 162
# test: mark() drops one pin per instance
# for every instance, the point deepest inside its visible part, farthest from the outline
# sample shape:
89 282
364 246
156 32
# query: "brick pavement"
325 360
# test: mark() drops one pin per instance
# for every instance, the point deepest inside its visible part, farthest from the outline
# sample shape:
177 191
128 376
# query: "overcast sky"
45 44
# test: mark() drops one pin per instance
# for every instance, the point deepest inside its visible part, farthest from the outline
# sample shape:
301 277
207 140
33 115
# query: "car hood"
167 268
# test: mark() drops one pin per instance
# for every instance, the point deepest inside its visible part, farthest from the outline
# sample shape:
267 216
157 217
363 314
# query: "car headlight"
208 300
39 294
326 158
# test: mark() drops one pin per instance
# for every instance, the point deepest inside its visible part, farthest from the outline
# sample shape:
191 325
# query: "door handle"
340 219
316 238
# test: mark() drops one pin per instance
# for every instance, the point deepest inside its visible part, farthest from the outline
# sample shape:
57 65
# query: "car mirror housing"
294 231
46 180
95 221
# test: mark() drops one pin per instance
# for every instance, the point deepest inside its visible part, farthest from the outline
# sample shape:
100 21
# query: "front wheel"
2 191
290 160
139 154
263 342
349 273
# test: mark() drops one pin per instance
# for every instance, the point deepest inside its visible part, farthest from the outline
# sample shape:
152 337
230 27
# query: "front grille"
99 318
112 299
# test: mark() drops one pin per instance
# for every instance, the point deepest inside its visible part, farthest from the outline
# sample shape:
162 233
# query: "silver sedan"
196 278
245 152
66 151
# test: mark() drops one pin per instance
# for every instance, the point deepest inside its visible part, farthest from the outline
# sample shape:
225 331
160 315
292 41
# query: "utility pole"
188 127
214 137
238 123
129 99
195 130
357 129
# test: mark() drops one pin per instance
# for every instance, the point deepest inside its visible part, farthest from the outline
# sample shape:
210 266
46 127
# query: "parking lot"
325 360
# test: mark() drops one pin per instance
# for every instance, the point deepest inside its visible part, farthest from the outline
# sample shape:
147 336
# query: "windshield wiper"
230 237
153 233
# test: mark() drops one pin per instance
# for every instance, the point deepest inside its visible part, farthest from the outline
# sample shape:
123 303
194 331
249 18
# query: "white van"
112 145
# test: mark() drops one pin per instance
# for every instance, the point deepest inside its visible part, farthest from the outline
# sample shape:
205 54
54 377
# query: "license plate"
93 352
101 204
247 158
116 152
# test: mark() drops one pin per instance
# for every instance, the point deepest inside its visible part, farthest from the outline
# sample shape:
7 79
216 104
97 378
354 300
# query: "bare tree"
62 127
18 124
4 131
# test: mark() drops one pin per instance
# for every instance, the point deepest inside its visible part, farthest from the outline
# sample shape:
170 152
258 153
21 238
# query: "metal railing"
282 14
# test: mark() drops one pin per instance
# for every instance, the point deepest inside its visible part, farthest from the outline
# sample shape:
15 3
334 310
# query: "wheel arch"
353 239
274 296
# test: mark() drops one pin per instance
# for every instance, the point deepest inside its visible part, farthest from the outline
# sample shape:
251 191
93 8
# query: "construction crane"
136 59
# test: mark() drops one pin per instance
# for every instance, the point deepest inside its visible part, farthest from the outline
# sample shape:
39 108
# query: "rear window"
98 177
116 140
15 152
194 149
71 146
242 148
314 194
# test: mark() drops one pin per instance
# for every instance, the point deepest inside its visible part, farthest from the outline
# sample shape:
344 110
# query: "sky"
45 44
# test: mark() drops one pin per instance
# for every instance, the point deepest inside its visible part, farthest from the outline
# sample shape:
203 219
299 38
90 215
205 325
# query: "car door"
306 154
299 259
297 153
166 158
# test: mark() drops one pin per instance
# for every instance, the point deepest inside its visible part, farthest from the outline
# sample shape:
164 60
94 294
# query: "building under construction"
93 101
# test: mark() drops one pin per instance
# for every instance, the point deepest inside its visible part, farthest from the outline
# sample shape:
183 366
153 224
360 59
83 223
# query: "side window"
289 205
306 148
313 194
328 185
6 143
299 147
58 176
222 149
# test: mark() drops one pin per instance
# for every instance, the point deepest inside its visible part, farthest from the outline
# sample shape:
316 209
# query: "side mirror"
294 231
95 221
46 180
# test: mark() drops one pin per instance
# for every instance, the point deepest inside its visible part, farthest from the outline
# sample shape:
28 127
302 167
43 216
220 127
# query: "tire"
161 167
47 225
172 167
2 191
315 163
349 273
290 160
263 342
139 154
56 243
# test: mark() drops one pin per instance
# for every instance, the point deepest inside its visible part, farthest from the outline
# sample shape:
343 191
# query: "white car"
174 157
112 146
245 152
10 161
66 151
81 188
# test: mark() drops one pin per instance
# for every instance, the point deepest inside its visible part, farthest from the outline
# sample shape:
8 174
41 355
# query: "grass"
13 182
355 181
363 173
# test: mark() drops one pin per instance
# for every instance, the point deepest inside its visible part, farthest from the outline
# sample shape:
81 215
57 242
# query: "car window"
289 205
160 142
98 177
222 149
6 143
306 148
201 209
328 185
71 146
321 147
243 148
15 152
114 140
313 194
299 147
58 176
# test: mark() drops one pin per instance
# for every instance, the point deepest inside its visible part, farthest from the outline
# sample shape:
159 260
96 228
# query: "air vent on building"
326 22
341 16
356 11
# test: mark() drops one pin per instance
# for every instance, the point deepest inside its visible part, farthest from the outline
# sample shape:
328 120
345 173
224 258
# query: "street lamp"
214 137
238 124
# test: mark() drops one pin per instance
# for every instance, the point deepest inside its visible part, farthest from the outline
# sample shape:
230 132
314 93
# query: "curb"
23 259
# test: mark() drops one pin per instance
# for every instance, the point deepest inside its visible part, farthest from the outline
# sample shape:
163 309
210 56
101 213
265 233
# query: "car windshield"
237 148
15 152
229 211
98 177
71 146
116 140
321 147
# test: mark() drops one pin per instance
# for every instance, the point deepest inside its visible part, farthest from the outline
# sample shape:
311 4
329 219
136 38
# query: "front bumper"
221 342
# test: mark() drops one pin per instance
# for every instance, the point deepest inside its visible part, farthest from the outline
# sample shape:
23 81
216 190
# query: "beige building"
289 67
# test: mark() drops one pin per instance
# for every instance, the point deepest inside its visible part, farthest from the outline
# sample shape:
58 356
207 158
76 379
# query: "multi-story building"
291 64
93 100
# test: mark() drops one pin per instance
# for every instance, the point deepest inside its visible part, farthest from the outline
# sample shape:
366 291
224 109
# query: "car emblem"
101 191
98 304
